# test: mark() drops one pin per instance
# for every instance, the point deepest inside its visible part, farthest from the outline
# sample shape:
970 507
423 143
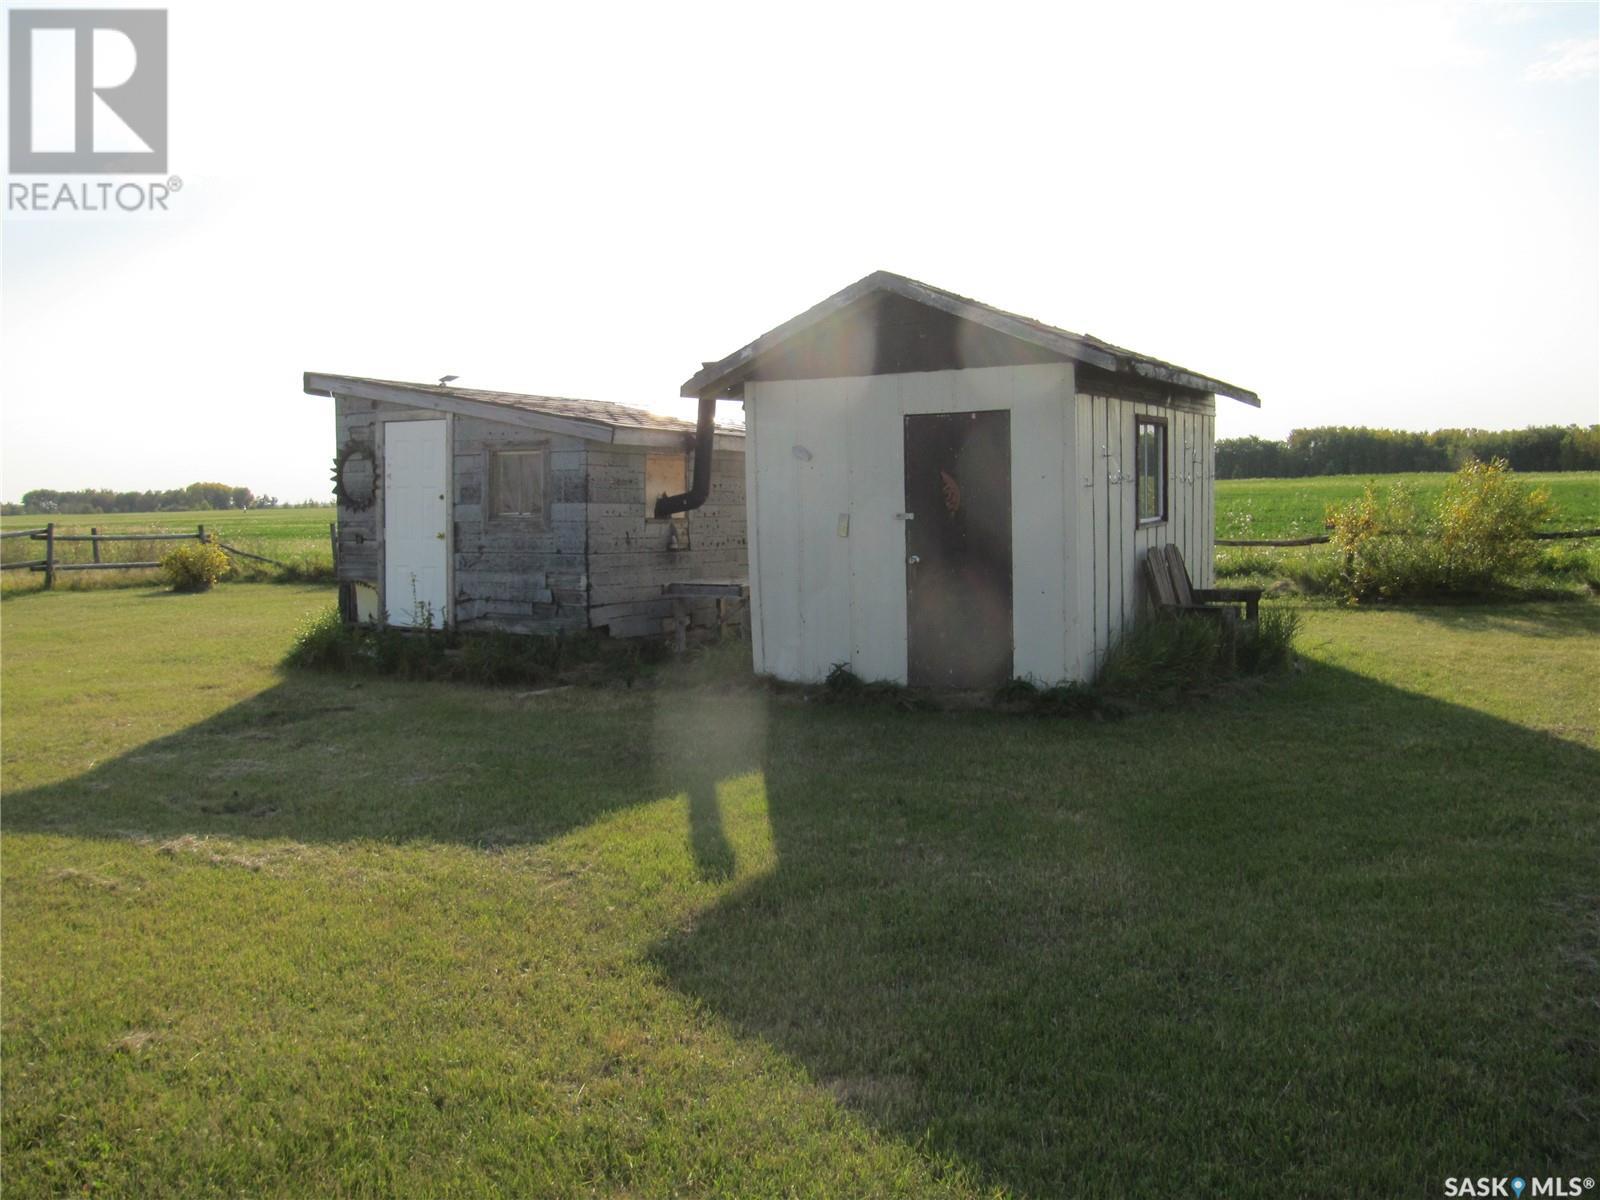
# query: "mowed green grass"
285 935
1291 508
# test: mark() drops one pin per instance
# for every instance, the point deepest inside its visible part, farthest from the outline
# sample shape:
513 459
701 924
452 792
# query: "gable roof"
727 377
594 420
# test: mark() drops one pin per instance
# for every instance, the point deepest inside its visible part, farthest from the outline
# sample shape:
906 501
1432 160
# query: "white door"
415 523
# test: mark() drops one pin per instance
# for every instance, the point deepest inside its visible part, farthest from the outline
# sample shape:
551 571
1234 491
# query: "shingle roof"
727 376
600 413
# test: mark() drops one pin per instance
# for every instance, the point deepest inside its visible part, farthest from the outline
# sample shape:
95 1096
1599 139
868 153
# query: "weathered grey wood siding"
628 556
518 573
360 533
596 559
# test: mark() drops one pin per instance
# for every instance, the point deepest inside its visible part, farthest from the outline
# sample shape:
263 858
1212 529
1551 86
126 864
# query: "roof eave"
1177 377
726 378
318 384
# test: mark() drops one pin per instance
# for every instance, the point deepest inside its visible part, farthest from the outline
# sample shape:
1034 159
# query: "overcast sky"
1370 215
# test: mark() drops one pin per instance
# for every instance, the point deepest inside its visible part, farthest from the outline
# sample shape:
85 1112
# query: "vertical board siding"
822 459
1112 577
1207 549
1081 539
752 465
825 599
1077 549
877 541
778 589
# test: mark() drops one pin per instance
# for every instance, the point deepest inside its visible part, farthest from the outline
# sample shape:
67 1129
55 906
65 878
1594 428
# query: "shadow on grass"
1563 615
1322 937
1325 936
322 759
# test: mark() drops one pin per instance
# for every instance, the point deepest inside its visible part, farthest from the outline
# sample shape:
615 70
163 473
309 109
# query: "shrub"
195 566
1486 522
1479 537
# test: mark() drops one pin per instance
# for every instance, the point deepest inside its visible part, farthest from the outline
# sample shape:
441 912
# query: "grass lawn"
1290 508
271 935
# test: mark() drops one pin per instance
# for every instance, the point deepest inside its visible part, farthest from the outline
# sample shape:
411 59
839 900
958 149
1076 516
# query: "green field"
280 526
290 935
1291 508
296 535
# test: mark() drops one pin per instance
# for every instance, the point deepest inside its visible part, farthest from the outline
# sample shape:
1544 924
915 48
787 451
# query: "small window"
517 483
1150 469
665 474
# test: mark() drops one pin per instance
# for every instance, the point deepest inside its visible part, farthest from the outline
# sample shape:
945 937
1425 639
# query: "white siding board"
1076 548
823 479
877 541
1082 537
752 493
1208 504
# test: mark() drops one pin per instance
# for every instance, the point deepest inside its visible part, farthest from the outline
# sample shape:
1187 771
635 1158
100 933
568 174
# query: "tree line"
90 501
1354 450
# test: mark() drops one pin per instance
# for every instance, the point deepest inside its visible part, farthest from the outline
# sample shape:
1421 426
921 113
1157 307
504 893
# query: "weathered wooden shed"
946 494
532 514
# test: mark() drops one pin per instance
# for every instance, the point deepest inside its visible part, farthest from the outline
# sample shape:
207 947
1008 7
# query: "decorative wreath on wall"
355 476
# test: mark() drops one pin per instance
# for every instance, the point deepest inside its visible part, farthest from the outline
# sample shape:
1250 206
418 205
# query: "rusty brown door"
958 549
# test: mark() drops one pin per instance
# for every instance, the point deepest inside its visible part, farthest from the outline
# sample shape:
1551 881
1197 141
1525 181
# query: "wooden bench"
1171 590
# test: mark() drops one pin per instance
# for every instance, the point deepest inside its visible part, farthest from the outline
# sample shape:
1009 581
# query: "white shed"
944 494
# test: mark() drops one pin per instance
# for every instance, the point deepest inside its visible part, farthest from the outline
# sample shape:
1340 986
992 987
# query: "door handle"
914 559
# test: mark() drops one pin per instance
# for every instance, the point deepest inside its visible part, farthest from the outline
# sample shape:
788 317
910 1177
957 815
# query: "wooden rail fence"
1324 539
50 564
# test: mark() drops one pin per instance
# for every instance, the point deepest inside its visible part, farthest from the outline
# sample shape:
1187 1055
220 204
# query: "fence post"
333 539
202 533
94 545
50 554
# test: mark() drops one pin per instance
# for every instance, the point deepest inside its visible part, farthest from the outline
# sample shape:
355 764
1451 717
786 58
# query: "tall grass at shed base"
1162 659
490 658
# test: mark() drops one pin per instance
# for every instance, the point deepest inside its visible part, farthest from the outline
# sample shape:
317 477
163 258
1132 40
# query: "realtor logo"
88 91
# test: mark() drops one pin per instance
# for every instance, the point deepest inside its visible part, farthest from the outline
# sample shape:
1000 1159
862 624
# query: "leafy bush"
195 566
1479 537
1485 526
